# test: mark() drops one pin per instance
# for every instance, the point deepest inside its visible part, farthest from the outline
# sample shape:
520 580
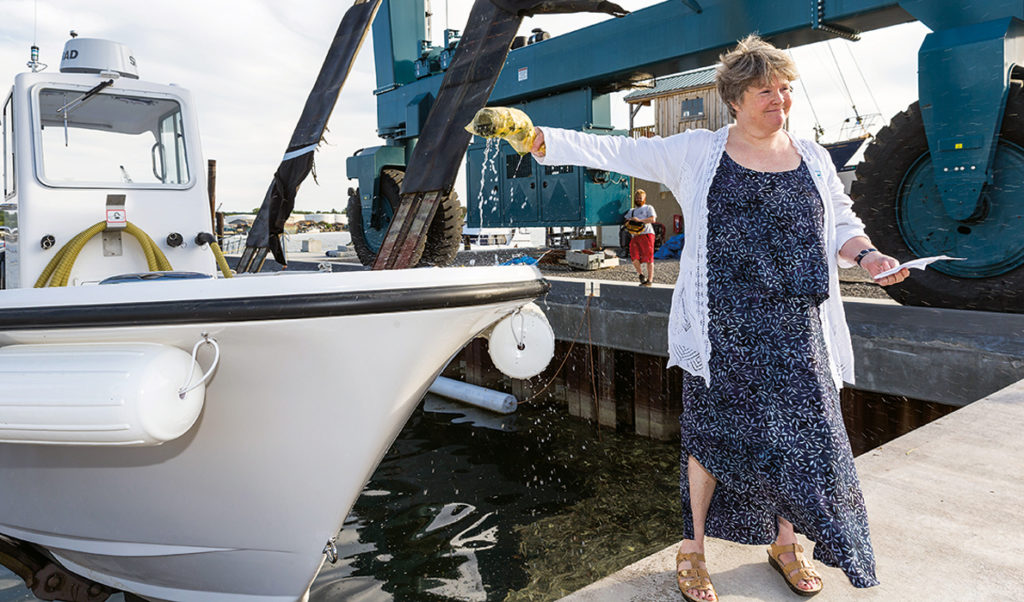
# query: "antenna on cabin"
33 61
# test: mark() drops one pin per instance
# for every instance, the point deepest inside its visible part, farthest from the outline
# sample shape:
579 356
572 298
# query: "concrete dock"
946 514
946 356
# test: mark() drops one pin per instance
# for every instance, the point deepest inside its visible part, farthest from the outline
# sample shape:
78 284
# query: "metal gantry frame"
965 67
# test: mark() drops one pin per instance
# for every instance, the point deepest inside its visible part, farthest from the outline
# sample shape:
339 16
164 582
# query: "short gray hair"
753 62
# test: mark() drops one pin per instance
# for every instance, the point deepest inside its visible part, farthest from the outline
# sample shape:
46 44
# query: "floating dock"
944 504
943 500
947 356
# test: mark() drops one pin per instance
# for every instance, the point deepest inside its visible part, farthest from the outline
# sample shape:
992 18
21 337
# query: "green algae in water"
462 513
630 511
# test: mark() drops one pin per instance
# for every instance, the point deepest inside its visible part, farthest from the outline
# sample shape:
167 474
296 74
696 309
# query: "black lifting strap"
298 159
465 89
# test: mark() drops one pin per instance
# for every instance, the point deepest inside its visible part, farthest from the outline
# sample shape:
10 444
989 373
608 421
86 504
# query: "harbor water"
471 506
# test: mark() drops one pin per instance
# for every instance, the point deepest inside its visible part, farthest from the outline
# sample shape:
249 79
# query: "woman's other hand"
538 143
876 263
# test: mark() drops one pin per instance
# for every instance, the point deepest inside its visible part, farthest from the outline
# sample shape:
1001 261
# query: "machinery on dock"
940 179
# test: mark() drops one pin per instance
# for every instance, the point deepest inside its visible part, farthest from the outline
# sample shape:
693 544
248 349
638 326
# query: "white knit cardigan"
686 164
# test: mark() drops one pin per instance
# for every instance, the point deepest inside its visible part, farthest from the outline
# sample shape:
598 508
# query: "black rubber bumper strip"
277 307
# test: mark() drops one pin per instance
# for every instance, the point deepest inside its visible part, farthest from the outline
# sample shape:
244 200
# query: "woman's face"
765 106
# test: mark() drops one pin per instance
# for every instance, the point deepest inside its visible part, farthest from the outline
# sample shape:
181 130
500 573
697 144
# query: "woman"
757 325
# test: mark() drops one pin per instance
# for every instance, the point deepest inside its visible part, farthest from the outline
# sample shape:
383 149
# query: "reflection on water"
12 589
532 511
467 506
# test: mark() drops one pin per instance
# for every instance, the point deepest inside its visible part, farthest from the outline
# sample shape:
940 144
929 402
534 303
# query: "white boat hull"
297 416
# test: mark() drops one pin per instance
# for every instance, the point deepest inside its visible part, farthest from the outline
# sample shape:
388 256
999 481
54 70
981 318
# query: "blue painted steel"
964 77
506 189
964 71
552 81
398 32
416 113
949 14
662 39
366 167
392 107
518 191
992 245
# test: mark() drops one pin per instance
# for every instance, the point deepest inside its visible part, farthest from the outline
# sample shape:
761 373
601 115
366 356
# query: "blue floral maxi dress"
770 428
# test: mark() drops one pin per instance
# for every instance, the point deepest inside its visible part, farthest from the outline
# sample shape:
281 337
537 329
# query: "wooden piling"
636 393
627 391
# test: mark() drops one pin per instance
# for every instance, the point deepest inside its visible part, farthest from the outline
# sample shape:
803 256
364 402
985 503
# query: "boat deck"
944 508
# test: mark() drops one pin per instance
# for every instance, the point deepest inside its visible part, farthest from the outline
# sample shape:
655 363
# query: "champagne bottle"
507 123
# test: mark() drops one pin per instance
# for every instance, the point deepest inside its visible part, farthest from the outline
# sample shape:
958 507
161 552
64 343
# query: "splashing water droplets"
491 152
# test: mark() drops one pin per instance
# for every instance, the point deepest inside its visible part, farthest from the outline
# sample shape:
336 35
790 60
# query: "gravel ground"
854 282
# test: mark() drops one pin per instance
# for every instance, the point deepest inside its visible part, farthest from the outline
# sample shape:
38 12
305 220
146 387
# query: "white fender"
521 344
123 394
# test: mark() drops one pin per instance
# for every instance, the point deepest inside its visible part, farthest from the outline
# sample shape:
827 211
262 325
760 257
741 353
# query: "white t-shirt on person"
643 212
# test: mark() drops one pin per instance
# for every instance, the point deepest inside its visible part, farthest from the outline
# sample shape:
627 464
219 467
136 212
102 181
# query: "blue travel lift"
943 178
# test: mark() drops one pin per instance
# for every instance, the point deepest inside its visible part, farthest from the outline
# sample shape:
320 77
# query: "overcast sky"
249 66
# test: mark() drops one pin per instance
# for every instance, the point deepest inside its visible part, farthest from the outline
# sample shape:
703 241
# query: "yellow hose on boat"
58 270
221 262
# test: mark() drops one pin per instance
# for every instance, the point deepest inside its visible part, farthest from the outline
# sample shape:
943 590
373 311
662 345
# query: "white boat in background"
503 238
168 432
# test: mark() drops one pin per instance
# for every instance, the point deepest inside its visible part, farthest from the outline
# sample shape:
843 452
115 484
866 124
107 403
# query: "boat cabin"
94 144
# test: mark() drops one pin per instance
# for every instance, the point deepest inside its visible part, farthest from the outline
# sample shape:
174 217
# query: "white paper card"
917 263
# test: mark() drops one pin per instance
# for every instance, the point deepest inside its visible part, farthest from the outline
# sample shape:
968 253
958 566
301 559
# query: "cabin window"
692 108
110 140
8 147
172 166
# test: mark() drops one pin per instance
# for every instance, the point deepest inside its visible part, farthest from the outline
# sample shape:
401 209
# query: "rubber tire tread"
444 236
890 155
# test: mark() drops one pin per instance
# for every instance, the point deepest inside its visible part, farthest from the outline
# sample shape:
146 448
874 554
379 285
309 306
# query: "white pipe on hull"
481 397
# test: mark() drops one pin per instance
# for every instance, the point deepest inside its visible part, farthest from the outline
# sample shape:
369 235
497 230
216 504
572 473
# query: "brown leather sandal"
796 571
694 577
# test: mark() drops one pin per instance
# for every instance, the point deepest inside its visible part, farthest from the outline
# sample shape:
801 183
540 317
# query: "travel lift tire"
896 196
444 237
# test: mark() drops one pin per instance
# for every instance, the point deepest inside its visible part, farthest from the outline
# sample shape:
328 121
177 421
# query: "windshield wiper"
74 104
81 100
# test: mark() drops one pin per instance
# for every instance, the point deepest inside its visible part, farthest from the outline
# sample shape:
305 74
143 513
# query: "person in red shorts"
641 245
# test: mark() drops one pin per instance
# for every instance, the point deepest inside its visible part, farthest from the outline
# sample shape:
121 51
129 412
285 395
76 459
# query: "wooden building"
681 102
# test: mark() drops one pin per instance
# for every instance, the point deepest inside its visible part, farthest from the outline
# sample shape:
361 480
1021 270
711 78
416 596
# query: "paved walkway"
945 504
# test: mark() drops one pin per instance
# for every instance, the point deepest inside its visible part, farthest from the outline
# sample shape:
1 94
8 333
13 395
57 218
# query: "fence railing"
644 131
233 244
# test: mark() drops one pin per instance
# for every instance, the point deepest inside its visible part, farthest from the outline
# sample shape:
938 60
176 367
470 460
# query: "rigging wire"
843 79
828 71
863 79
818 130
